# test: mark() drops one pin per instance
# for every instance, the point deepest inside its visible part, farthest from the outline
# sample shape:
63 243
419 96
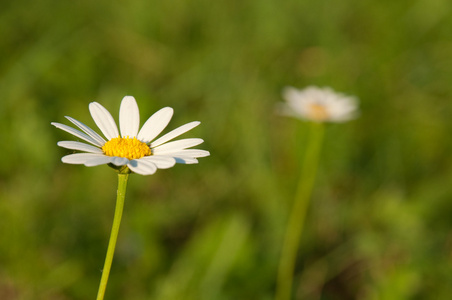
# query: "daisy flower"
134 148
318 104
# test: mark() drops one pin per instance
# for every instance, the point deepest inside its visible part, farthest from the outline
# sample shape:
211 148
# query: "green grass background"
379 224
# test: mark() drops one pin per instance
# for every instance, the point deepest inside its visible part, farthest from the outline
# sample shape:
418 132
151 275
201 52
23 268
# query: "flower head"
134 148
318 104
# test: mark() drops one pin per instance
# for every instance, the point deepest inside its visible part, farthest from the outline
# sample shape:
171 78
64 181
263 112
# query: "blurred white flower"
135 149
318 104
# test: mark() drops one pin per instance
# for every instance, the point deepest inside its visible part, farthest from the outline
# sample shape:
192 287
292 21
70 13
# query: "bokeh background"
380 220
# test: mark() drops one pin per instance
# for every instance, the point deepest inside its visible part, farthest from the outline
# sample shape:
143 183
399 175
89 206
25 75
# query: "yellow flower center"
130 148
318 112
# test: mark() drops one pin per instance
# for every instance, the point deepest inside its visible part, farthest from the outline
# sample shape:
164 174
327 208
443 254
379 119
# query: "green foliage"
379 225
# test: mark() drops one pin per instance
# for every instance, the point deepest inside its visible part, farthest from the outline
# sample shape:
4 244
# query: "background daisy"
318 104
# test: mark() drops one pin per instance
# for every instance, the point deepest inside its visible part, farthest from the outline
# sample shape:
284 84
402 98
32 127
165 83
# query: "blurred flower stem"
298 213
122 186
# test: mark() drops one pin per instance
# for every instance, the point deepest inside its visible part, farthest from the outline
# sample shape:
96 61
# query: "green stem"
298 214
121 194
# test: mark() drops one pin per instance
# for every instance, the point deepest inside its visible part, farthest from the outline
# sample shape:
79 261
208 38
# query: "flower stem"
122 186
298 214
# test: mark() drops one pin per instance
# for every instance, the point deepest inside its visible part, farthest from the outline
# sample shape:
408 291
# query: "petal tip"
128 100
94 104
168 109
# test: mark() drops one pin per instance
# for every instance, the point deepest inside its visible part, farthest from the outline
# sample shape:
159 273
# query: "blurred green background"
379 224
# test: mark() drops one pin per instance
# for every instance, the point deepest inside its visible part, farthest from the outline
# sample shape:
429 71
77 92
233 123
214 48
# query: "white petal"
103 120
186 160
162 162
178 145
129 117
79 146
186 153
155 124
174 133
88 159
142 167
77 133
119 161
290 94
87 130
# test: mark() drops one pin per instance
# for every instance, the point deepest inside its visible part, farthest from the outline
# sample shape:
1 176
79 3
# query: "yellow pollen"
318 112
130 148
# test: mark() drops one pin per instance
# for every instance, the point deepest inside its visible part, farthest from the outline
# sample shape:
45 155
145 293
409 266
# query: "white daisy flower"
318 104
134 148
